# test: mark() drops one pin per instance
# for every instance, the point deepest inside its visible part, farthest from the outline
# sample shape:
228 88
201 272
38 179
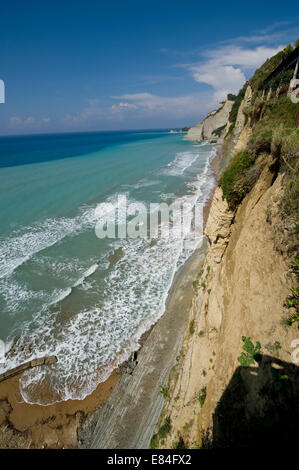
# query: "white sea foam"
62 295
112 329
87 273
22 244
182 161
143 183
165 196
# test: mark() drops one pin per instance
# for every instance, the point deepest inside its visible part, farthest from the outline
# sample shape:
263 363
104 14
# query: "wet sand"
39 426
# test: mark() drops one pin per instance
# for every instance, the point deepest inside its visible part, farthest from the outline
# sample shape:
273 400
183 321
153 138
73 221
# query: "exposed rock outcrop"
218 225
215 120
243 287
242 129
46 360
215 397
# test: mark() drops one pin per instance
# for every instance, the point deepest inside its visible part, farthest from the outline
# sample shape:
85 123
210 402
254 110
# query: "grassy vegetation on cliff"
234 171
161 434
260 75
276 132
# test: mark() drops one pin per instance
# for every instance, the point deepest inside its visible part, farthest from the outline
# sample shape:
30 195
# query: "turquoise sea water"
64 291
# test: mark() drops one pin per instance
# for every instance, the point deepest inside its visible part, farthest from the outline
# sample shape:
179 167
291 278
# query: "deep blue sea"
63 290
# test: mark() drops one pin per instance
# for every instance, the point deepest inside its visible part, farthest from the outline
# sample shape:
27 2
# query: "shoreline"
58 425
130 415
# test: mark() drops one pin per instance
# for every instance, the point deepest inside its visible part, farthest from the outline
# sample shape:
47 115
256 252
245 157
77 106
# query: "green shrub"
277 133
246 181
293 318
154 441
277 121
282 79
289 203
274 348
250 353
164 391
241 161
290 146
161 434
202 396
191 327
277 347
292 301
165 428
279 111
257 81
260 141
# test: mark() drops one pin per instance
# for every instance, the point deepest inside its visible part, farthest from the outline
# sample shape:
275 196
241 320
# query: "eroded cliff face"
244 283
215 120
241 290
237 139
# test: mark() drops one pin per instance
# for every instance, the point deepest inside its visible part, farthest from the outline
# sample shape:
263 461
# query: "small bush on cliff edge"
234 171
202 396
161 434
251 352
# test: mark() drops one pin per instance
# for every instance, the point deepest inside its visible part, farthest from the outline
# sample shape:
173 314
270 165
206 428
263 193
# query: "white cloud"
150 104
224 68
16 122
237 55
223 78
121 106
141 106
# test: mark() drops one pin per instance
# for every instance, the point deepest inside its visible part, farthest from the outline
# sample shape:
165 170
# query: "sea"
63 290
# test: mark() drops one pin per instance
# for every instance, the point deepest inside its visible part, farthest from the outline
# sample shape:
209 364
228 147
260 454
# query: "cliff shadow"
259 407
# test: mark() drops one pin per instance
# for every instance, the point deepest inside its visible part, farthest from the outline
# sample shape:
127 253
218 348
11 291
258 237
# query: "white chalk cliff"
215 119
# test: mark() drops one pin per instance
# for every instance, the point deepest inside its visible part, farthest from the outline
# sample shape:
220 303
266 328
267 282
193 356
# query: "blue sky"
98 65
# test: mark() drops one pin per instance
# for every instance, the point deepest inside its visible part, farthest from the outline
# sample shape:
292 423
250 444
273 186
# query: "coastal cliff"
235 383
213 126
219 366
